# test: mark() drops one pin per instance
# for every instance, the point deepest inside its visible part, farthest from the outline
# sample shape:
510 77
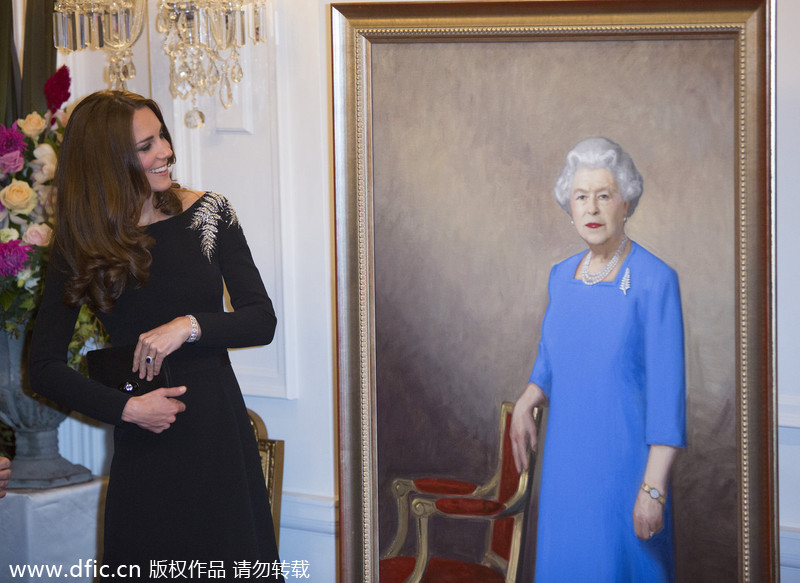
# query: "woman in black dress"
186 496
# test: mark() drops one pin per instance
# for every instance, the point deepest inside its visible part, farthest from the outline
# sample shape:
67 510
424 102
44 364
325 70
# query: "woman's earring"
571 222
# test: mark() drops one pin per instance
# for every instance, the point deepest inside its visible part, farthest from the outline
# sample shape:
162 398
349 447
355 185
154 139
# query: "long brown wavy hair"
100 189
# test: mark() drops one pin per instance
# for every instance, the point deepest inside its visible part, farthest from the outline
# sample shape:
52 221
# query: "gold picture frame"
402 74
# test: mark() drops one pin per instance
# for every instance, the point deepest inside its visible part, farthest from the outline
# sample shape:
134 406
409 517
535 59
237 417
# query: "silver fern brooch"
625 284
212 210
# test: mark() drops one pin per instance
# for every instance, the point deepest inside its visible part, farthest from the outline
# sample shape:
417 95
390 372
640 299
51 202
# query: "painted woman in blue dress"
610 368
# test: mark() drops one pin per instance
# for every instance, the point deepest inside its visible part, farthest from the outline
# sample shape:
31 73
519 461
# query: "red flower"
56 89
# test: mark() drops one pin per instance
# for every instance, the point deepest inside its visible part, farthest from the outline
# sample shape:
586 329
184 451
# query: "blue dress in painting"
611 364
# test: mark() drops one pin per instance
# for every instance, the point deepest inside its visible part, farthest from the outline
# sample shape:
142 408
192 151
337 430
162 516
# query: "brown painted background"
468 141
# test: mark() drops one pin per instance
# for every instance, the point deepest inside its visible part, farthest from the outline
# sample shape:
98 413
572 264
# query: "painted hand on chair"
523 427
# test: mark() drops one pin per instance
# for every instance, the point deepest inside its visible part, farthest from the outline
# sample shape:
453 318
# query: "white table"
56 527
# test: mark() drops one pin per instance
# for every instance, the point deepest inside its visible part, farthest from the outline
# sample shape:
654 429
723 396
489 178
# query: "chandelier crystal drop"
112 25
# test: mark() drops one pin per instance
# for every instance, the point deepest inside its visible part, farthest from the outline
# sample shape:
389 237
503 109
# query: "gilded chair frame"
271 452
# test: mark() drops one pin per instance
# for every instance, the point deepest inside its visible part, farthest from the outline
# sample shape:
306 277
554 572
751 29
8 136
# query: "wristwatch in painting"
654 493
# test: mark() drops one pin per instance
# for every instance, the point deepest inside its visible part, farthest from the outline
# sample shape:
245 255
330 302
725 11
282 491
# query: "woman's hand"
157 344
156 410
648 516
523 429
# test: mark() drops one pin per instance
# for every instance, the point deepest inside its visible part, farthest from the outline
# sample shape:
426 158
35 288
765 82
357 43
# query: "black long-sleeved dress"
194 492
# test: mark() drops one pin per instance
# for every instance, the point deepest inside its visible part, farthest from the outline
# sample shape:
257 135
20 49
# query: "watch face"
654 494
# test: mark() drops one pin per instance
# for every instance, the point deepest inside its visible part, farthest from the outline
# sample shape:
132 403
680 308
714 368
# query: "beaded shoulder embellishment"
212 209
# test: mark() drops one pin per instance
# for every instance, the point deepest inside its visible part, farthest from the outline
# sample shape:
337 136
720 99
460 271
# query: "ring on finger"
148 359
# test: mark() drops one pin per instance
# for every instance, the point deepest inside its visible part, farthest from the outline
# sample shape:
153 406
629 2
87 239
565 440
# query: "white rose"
8 234
26 279
46 194
33 125
19 197
45 159
38 235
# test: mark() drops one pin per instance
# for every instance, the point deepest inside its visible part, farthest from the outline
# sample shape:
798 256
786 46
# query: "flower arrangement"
28 157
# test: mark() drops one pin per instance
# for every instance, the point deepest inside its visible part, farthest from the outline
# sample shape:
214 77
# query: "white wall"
230 163
788 207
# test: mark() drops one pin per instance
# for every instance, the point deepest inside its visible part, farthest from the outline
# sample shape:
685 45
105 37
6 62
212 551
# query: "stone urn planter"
37 463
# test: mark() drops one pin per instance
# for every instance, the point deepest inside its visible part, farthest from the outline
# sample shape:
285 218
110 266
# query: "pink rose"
39 234
11 162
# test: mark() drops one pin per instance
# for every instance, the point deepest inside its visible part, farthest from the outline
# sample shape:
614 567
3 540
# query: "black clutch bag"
112 367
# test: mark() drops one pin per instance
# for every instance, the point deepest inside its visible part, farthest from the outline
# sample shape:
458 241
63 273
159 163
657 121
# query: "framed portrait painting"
452 121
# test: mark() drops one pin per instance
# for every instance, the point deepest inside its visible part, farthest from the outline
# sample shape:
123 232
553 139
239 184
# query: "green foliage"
89 335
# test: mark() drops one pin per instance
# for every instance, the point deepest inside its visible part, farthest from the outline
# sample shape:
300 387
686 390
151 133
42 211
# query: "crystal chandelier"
112 25
201 39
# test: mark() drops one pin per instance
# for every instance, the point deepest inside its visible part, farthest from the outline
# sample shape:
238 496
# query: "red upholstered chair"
503 501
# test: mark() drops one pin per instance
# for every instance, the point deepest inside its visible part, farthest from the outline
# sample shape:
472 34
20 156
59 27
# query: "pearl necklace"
591 278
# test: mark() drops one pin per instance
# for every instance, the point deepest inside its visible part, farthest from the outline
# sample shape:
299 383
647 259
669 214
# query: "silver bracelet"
195 329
